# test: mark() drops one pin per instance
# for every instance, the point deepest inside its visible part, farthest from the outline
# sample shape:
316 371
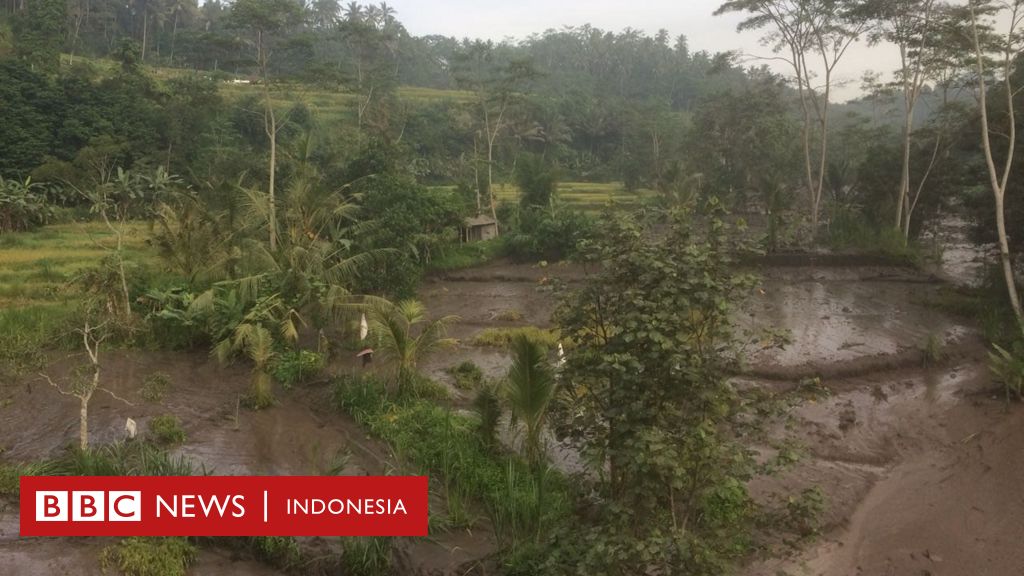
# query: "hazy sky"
499 19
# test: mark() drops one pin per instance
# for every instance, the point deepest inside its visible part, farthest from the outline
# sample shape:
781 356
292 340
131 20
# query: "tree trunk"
174 35
83 423
145 30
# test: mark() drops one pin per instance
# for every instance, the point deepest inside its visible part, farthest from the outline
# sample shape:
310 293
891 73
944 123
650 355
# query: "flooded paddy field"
916 460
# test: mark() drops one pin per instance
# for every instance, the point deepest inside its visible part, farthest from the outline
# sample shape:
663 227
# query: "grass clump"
502 337
467 255
10 475
167 430
467 375
137 556
362 556
509 316
932 351
123 459
155 386
1007 366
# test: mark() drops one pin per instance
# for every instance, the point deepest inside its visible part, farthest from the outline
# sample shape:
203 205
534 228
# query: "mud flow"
917 459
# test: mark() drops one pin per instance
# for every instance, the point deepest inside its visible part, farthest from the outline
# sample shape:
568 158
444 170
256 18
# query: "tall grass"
521 506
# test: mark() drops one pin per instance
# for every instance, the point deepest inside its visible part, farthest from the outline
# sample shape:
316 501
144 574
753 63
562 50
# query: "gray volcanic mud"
841 321
299 435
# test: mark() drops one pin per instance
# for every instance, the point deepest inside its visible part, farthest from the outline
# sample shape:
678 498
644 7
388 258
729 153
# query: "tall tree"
39 34
263 18
495 86
1004 48
812 37
911 26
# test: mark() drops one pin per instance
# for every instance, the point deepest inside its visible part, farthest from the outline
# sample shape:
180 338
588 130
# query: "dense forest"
283 184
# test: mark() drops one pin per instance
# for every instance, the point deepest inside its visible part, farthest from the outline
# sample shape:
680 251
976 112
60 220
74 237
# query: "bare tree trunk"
997 181
270 125
174 35
145 30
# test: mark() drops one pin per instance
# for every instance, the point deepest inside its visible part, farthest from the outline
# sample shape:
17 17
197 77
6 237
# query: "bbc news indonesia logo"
224 506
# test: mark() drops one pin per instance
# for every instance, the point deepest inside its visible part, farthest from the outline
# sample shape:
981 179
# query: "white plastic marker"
364 328
130 428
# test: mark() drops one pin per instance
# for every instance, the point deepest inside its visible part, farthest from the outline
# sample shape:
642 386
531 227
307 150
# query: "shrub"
548 235
803 512
138 556
509 316
166 430
467 375
297 366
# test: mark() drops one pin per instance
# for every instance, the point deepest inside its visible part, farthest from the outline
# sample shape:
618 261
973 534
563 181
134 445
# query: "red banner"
223 506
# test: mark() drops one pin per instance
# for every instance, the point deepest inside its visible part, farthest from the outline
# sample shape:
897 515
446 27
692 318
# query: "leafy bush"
548 235
138 556
297 366
467 375
502 337
803 512
166 430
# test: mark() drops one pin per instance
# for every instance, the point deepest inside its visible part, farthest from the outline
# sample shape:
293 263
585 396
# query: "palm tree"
405 336
529 389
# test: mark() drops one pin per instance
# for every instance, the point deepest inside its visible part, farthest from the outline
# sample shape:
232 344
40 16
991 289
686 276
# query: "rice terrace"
696 288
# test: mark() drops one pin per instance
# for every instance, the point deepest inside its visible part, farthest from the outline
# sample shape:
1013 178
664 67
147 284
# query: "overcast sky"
500 19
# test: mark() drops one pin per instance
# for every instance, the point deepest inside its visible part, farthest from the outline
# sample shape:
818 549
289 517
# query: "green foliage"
155 386
803 512
23 205
487 405
467 375
647 399
529 390
544 234
467 255
537 182
366 556
447 445
122 459
503 337
850 232
404 337
137 556
1007 367
10 475
932 351
167 430
279 551
297 366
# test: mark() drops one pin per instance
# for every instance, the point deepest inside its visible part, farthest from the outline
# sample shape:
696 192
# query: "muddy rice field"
919 463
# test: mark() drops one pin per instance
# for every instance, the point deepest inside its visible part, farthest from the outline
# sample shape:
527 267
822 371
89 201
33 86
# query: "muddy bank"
300 435
930 481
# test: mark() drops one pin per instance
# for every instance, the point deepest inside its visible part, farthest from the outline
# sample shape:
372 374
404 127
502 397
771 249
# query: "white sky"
500 19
